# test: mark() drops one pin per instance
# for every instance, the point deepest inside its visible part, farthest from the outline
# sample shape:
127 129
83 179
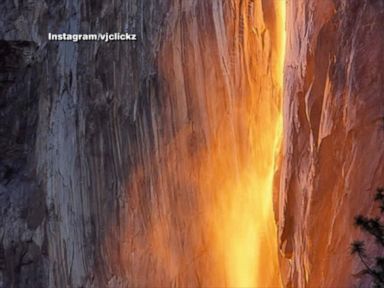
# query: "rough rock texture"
99 183
120 161
333 136
66 110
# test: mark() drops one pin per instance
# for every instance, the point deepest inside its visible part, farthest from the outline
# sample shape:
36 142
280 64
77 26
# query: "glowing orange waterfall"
208 185
244 228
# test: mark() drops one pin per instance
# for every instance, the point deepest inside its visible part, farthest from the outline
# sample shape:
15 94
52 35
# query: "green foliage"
374 267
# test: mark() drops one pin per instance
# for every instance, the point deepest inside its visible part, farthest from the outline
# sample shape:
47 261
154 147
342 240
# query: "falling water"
200 204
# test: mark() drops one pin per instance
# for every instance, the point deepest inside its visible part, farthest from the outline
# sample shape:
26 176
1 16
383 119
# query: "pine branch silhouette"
375 228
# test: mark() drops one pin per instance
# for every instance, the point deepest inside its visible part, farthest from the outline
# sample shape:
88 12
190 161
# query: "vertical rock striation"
198 207
142 163
122 162
333 136
67 114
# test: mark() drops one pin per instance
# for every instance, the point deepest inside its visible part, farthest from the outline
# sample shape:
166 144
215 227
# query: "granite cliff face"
129 164
333 136
66 110
136 163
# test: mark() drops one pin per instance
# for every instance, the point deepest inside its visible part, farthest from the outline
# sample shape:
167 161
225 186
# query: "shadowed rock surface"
65 110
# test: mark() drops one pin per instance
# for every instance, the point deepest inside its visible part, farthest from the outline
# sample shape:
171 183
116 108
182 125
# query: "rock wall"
132 164
67 114
113 153
208 172
333 136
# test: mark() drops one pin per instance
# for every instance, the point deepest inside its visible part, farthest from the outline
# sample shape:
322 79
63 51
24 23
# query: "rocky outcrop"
333 136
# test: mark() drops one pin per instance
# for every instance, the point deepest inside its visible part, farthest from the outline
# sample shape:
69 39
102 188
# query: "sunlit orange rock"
333 136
